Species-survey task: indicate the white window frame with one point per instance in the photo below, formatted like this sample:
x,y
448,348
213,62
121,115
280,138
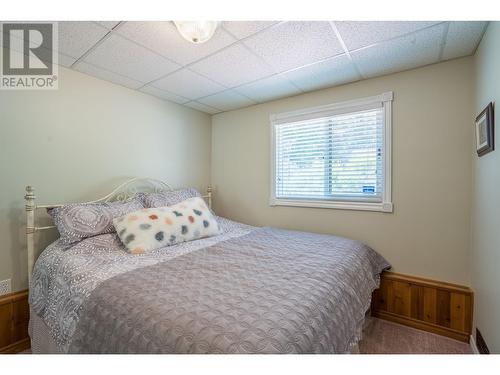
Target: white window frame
x,y
385,100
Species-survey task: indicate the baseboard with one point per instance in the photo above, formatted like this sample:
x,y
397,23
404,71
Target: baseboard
x,y
16,347
424,326
430,305
473,345
14,319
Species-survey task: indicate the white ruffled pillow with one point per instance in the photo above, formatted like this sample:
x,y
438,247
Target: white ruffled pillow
x,y
151,228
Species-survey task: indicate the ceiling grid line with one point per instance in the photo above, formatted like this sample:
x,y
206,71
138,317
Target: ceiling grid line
x,y
227,88
116,33
331,57
236,42
486,24
402,36
89,51
443,43
278,74
261,59
336,54
115,30
346,50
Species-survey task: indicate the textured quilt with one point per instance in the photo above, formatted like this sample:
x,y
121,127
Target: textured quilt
x,y
268,291
64,277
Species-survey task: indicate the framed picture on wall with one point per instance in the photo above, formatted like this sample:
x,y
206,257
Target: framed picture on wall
x,y
485,137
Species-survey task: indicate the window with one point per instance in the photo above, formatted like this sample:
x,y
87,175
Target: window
x,y
335,156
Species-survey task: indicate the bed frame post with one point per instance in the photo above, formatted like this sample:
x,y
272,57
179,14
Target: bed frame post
x,y
209,196
30,227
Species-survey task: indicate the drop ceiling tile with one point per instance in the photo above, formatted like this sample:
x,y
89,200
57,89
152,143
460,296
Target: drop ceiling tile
x,y
361,34
163,38
294,44
108,24
106,75
226,100
233,66
128,59
164,94
404,53
203,108
463,38
76,38
270,88
243,29
331,72
188,84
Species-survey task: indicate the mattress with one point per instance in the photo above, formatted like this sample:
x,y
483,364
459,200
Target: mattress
x,y
247,290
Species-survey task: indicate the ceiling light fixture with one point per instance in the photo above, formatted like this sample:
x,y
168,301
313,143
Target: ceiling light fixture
x,y
196,31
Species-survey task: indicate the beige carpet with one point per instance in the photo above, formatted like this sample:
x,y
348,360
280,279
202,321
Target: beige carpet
x,y
383,337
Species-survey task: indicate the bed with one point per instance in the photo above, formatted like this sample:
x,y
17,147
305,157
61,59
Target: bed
x,y
245,290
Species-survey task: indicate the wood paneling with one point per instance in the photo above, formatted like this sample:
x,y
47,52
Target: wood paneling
x,y
443,308
416,295
428,305
434,306
14,318
5,324
401,298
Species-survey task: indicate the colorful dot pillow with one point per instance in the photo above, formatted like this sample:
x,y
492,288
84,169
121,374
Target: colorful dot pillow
x,y
152,228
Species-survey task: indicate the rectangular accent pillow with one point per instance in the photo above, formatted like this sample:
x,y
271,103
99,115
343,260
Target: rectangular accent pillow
x,y
152,228
168,198
78,221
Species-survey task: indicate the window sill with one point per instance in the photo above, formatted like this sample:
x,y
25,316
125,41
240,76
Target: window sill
x,y
358,206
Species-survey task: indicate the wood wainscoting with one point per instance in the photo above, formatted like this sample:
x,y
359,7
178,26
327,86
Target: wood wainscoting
x,y
14,318
433,306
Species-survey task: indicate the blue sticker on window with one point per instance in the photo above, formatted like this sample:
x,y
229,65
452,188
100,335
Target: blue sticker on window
x,y
368,189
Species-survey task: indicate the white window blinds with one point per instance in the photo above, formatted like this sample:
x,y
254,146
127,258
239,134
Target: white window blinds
x,y
332,156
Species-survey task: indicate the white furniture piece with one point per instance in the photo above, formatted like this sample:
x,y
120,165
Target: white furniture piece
x,y
120,193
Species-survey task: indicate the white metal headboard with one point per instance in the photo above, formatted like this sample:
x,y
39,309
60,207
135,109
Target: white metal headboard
x,y
121,193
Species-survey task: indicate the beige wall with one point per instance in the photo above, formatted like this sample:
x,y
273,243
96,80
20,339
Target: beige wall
x,y
429,232
60,142
486,198
78,142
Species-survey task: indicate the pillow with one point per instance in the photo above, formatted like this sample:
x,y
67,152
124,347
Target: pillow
x,y
152,228
168,198
78,221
